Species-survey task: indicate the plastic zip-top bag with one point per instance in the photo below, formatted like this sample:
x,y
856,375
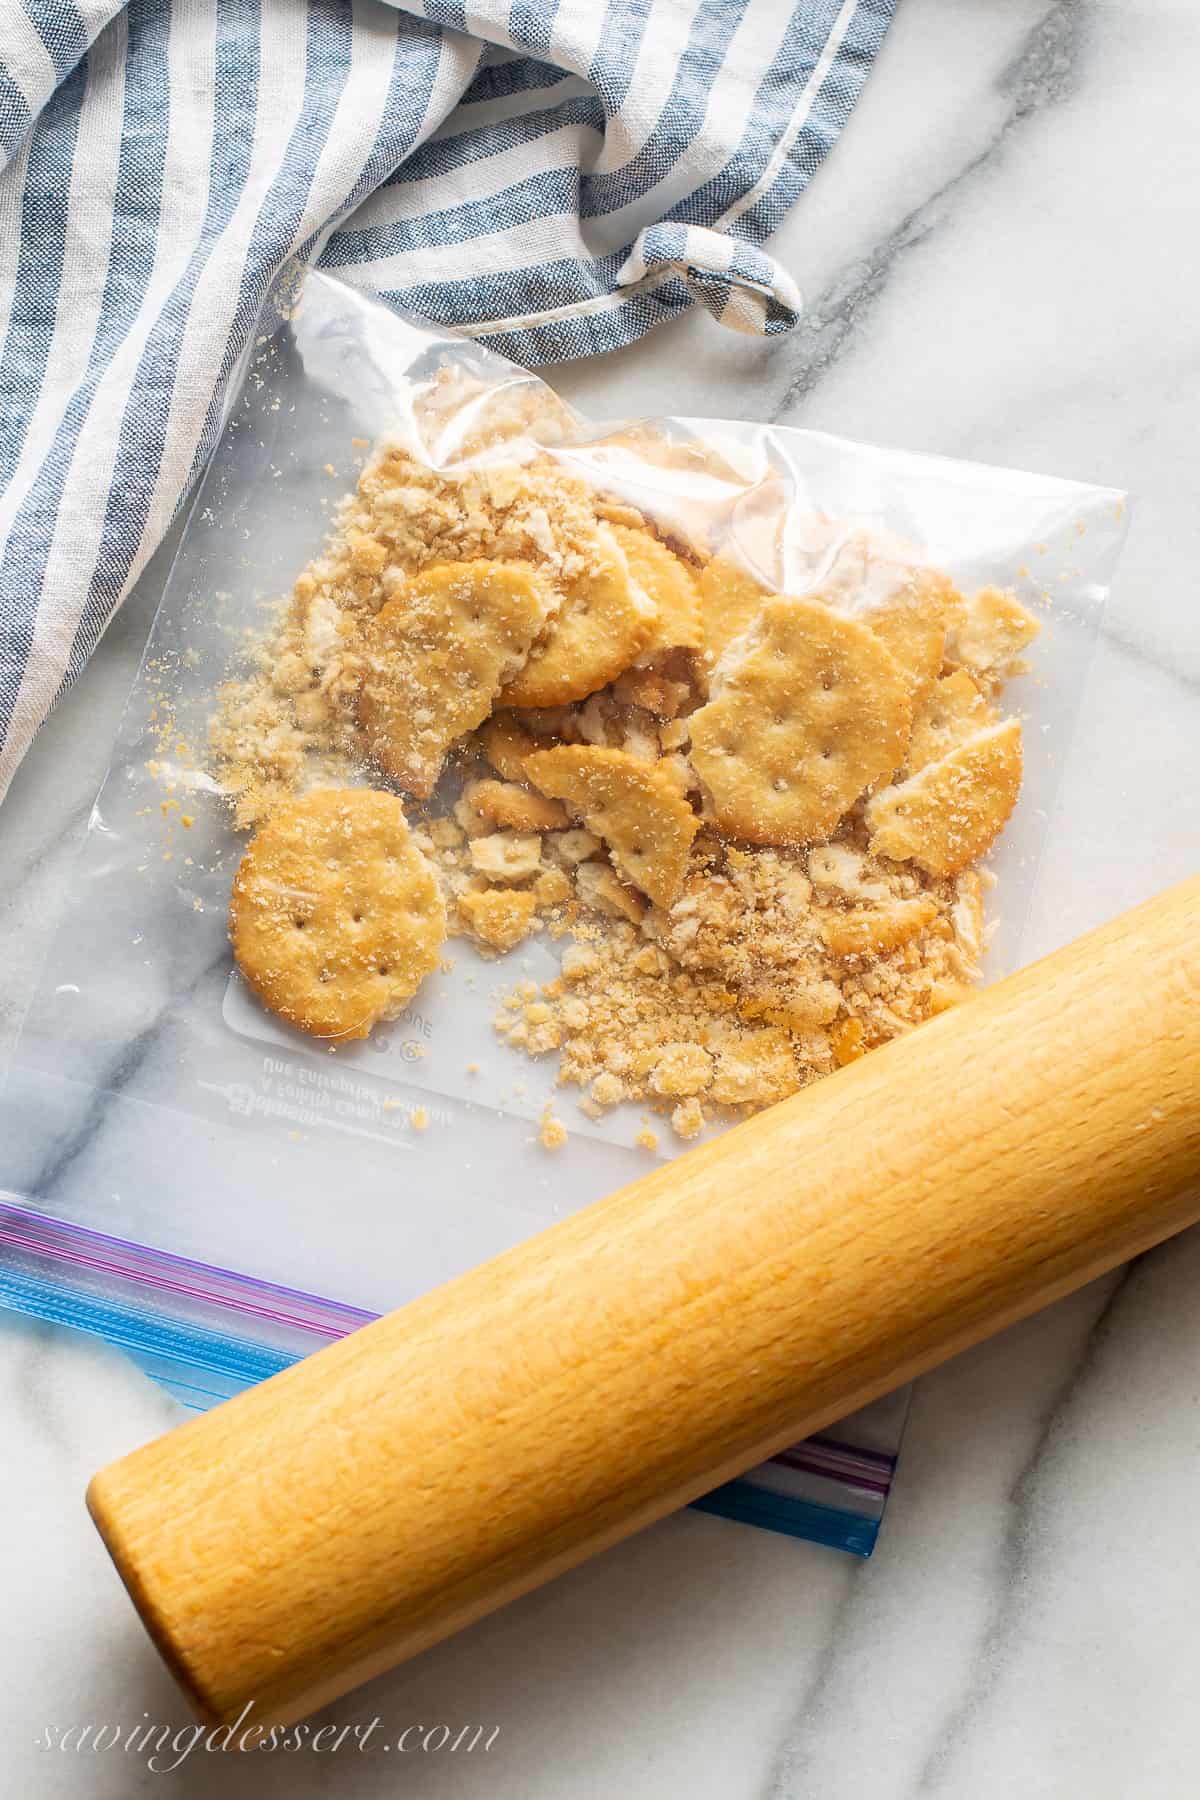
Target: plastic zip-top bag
x,y
727,752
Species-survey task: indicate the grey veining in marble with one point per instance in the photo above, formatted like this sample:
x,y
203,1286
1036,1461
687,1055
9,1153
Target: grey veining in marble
x,y
1001,263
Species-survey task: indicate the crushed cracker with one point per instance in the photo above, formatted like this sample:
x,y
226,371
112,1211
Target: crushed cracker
x,y
782,879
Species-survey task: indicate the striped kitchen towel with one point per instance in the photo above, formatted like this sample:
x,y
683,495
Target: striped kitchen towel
x,y
555,178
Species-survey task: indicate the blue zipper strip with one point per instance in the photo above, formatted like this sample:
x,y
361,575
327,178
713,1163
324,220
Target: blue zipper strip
x,y
173,1355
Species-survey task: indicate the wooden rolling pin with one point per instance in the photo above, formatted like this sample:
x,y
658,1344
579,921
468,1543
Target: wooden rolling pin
x,y
414,1476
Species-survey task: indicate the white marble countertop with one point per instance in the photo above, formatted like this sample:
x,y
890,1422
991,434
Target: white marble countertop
x,y
996,269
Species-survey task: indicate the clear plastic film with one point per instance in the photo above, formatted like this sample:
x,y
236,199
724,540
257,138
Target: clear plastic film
x,y
190,1176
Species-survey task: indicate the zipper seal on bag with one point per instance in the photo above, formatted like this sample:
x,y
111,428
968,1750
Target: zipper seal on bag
x,y
823,1489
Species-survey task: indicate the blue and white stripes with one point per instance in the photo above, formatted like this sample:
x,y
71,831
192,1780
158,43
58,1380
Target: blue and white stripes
x,y
555,178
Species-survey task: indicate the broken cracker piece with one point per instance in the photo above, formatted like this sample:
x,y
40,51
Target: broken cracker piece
x,y
599,887
874,930
551,888
437,655
506,744
573,847
844,869
810,711
848,1040
687,1120
681,1070
912,622
603,624
952,810
639,813
552,1134
500,917
953,711
507,855
513,807
671,586
756,1069
653,691
730,597
992,631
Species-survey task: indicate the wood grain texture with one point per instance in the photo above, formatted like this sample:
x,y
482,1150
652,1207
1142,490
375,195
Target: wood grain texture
x,y
414,1476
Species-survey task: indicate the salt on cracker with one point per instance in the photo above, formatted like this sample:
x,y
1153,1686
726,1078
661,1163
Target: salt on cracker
x,y
639,812
515,808
991,634
730,597
335,916
671,586
953,711
436,657
811,710
952,810
913,622
603,624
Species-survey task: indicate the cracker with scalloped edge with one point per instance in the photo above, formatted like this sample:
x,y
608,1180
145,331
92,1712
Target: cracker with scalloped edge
x,y
437,655
953,711
730,597
603,624
639,812
811,710
913,622
951,811
671,586
335,914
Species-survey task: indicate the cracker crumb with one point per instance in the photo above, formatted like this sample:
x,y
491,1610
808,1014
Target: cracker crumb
x,y
507,855
553,1133
681,1069
687,1120
499,917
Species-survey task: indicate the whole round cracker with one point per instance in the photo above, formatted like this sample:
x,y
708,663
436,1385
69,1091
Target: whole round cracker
x,y
671,586
603,624
952,810
632,805
811,710
436,656
335,915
